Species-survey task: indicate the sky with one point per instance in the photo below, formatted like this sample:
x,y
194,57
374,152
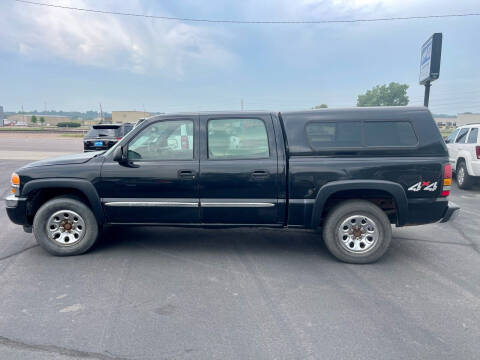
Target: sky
x,y
57,59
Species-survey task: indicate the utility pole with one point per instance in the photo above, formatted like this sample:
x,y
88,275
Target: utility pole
x,y
23,114
101,114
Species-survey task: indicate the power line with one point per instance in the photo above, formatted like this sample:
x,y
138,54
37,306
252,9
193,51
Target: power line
x,y
231,21
449,99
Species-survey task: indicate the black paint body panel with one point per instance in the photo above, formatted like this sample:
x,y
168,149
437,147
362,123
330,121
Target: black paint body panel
x,y
231,181
299,181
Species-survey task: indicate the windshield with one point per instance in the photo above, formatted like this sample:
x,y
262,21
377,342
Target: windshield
x,y
95,132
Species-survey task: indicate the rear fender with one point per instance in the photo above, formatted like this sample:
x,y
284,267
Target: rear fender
x,y
329,189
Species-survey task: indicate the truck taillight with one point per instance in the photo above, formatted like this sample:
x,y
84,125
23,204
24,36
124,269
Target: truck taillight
x,y
477,149
447,180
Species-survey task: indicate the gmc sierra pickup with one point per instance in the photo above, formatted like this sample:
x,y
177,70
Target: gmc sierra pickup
x,y
349,172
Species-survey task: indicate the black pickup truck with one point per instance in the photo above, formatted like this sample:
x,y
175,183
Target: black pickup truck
x,y
350,173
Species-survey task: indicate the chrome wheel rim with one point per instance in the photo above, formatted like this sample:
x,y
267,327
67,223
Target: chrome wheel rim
x,y
66,227
358,234
461,175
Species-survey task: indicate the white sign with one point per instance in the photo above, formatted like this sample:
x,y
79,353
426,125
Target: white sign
x,y
426,60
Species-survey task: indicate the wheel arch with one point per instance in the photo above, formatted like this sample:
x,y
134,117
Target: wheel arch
x,y
77,186
329,190
465,157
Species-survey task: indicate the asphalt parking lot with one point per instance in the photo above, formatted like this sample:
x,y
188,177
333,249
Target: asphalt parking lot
x,y
166,293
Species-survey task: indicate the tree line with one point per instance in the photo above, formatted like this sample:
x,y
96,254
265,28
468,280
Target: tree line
x,y
76,115
393,94
34,120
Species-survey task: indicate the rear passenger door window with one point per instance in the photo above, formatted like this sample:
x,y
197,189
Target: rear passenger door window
x,y
334,134
237,139
389,133
473,136
462,136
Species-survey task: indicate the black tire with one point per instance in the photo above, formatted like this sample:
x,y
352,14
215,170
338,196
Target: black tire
x,y
340,215
464,181
89,230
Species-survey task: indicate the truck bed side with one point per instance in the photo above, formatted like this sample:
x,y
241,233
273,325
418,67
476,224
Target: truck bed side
x,y
404,181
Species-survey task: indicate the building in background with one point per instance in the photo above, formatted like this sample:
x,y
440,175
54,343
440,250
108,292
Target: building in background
x,y
128,116
51,120
91,122
445,122
467,118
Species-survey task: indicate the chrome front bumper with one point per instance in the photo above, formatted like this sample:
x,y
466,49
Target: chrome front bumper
x,y
17,209
12,201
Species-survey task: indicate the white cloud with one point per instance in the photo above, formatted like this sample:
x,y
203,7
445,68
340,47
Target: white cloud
x,y
350,9
109,41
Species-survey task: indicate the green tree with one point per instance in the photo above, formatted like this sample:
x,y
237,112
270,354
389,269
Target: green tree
x,y
321,106
42,120
33,119
395,94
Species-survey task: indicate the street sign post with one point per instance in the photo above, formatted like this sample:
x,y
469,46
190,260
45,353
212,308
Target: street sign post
x,y
430,63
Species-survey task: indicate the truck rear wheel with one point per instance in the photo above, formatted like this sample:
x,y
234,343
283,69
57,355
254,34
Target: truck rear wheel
x,y
65,226
357,232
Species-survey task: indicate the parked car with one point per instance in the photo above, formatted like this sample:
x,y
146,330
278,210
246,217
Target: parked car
x,y
464,152
104,136
349,172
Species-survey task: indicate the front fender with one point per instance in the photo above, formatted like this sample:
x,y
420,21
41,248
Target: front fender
x,y
83,186
329,189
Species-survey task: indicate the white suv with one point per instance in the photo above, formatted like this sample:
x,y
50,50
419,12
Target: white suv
x,y
464,151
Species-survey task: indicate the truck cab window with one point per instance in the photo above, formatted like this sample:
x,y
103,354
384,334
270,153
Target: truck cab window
x,y
164,140
237,139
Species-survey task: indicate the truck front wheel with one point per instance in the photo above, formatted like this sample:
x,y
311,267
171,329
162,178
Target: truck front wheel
x,y
65,226
357,232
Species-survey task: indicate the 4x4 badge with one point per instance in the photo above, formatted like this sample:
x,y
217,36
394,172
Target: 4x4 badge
x,y
423,184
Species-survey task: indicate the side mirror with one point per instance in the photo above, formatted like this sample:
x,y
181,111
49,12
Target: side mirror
x,y
118,155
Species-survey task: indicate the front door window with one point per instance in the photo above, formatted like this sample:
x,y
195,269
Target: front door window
x,y
164,140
